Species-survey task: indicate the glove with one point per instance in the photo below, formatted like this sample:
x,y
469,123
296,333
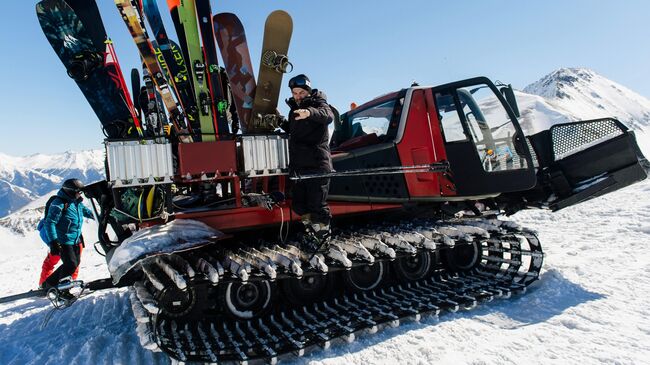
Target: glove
x,y
55,248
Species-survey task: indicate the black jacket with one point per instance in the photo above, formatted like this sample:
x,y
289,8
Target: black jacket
x,y
309,138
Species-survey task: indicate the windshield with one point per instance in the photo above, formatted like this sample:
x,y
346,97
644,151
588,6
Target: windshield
x,y
373,120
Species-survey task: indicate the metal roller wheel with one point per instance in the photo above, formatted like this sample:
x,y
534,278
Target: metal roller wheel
x,y
413,268
462,257
175,302
248,300
308,289
365,277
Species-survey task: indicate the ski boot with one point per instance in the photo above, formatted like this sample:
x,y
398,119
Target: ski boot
x,y
60,295
316,238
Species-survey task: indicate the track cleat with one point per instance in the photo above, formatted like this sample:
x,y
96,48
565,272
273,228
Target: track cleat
x,y
338,254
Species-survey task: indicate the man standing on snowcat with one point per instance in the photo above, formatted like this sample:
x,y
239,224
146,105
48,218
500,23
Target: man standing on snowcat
x,y
309,153
62,224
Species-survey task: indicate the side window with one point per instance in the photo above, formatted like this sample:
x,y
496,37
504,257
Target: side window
x,y
452,126
373,120
490,128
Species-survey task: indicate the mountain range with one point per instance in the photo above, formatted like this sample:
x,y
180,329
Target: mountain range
x,y
565,95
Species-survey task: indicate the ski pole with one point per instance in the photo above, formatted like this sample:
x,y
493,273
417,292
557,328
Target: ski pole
x,y
434,167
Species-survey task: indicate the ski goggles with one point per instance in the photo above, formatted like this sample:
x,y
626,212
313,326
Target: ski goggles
x,y
299,82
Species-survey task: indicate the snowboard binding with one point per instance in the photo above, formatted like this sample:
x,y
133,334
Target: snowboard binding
x,y
278,62
83,64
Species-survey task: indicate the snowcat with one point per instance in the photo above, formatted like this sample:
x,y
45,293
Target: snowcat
x,y
204,232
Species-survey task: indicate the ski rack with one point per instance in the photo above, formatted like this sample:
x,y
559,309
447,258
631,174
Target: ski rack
x,y
139,162
264,155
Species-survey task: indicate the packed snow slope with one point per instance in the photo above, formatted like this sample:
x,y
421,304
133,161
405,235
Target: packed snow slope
x,y
590,305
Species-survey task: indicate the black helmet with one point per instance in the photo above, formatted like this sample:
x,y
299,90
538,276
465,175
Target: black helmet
x,y
301,81
72,186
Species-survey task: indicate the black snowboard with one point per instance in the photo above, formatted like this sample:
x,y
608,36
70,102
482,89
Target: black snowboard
x,y
82,52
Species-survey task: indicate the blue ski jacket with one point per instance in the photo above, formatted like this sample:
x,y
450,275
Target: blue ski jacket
x,y
66,228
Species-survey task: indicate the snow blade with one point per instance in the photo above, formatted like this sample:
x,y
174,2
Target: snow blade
x,y
582,160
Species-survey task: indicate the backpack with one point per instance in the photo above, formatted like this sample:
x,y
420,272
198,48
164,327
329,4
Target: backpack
x,y
41,224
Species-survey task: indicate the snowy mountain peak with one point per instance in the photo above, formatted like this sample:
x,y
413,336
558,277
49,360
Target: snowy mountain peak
x,y
585,94
22,179
558,84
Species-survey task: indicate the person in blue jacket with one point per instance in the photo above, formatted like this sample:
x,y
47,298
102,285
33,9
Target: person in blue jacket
x,y
63,223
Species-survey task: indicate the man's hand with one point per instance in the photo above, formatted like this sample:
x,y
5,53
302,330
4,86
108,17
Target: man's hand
x,y
302,114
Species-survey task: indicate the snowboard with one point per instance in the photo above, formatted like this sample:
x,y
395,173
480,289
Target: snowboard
x,y
88,13
136,28
273,64
231,38
171,60
217,91
187,23
83,52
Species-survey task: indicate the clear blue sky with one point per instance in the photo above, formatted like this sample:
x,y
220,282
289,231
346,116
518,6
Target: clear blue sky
x,y
353,50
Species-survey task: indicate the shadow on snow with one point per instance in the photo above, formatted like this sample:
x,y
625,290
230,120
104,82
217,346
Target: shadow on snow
x,y
550,296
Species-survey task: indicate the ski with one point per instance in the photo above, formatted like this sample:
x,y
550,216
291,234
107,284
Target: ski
x,y
83,52
187,24
134,23
274,63
153,112
135,90
115,72
217,91
35,293
237,61
171,59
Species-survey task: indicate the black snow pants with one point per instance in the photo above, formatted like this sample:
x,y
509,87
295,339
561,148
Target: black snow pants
x,y
70,257
310,197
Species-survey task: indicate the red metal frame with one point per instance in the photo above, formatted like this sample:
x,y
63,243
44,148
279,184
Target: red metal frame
x,y
422,144
228,220
207,158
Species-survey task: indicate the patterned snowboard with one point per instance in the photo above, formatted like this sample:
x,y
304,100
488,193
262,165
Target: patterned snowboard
x,y
73,42
237,61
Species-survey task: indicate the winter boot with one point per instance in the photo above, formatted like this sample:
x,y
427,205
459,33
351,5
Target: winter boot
x,y
316,238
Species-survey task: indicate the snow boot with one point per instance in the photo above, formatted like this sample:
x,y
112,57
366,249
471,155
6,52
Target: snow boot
x,y
316,238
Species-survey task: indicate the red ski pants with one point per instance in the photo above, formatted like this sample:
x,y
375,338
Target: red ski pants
x,y
51,261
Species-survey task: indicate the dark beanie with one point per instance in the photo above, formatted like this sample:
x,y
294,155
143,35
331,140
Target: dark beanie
x,y
301,81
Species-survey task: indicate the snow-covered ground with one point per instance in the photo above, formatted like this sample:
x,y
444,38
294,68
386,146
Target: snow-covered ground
x,y
590,305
